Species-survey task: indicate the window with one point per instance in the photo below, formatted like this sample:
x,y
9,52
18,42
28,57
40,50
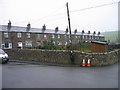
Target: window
x,y
20,44
80,37
83,37
28,35
89,37
86,37
65,36
53,36
54,42
92,37
66,43
28,43
45,36
58,42
7,45
98,37
19,35
58,36
38,36
5,35
75,36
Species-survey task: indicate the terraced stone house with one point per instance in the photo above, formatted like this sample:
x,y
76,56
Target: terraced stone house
x,y
27,37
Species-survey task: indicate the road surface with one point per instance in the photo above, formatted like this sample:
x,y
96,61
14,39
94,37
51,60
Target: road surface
x,y
15,75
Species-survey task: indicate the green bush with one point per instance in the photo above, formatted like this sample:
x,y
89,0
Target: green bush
x,y
84,47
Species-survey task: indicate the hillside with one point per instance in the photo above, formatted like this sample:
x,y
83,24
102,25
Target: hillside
x,y
111,35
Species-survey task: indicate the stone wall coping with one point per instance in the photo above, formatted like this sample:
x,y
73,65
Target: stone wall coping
x,y
116,50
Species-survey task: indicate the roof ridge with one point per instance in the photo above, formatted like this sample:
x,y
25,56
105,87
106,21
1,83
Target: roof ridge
x,y
49,30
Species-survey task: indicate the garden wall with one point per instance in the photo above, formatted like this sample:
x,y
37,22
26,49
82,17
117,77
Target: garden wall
x,y
63,57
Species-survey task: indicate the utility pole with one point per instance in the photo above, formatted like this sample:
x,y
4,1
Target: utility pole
x,y
71,47
118,21
69,23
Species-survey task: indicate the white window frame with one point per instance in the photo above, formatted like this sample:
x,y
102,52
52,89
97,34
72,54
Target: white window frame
x,y
65,36
76,36
89,37
98,37
53,36
45,36
83,37
20,44
92,37
9,45
58,43
28,43
5,34
66,43
54,42
58,35
19,35
28,35
38,36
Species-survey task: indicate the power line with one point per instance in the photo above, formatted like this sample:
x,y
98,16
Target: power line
x,y
94,7
55,21
55,13
51,14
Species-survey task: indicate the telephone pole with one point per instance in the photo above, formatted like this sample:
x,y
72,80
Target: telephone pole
x,y
118,21
71,47
69,23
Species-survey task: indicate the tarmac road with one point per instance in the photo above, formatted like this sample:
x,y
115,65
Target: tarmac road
x,y
17,75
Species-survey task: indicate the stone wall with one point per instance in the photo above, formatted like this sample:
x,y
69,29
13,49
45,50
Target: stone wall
x,y
59,57
63,57
98,59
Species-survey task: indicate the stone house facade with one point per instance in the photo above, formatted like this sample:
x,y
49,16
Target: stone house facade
x,y
22,37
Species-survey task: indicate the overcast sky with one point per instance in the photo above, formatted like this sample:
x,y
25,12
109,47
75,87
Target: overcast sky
x,y
52,13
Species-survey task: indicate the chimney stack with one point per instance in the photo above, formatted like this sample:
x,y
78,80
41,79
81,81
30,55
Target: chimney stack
x,y
83,31
66,30
94,32
75,31
88,32
9,25
28,27
44,27
98,33
56,29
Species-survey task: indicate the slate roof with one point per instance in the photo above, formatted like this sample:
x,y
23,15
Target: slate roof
x,y
39,30
99,42
114,43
